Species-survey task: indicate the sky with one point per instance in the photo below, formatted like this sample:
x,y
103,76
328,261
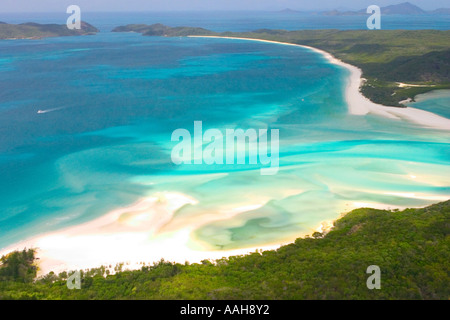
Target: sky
x,y
196,5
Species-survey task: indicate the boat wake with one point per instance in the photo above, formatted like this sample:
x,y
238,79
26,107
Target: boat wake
x,y
50,110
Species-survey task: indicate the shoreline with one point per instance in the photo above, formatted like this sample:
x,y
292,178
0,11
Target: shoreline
x,y
357,103
131,235
134,236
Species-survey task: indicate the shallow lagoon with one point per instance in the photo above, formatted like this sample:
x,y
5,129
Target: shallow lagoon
x,y
120,96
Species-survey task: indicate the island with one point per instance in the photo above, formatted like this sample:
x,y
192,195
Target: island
x,y
31,30
160,30
394,66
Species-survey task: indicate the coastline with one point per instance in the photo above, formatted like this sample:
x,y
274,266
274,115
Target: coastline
x,y
130,235
358,104
123,235
137,235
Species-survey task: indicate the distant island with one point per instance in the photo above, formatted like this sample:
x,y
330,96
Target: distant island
x,y
395,67
404,8
31,30
160,30
289,11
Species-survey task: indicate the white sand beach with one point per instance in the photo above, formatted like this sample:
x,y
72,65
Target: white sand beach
x,y
360,105
141,234
130,235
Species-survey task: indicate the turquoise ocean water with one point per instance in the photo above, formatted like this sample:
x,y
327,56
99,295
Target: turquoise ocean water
x,y
111,102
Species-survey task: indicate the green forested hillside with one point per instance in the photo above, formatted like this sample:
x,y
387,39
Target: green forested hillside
x,y
386,57
411,248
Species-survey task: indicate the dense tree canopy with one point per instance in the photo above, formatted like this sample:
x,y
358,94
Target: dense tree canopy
x,y
411,247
